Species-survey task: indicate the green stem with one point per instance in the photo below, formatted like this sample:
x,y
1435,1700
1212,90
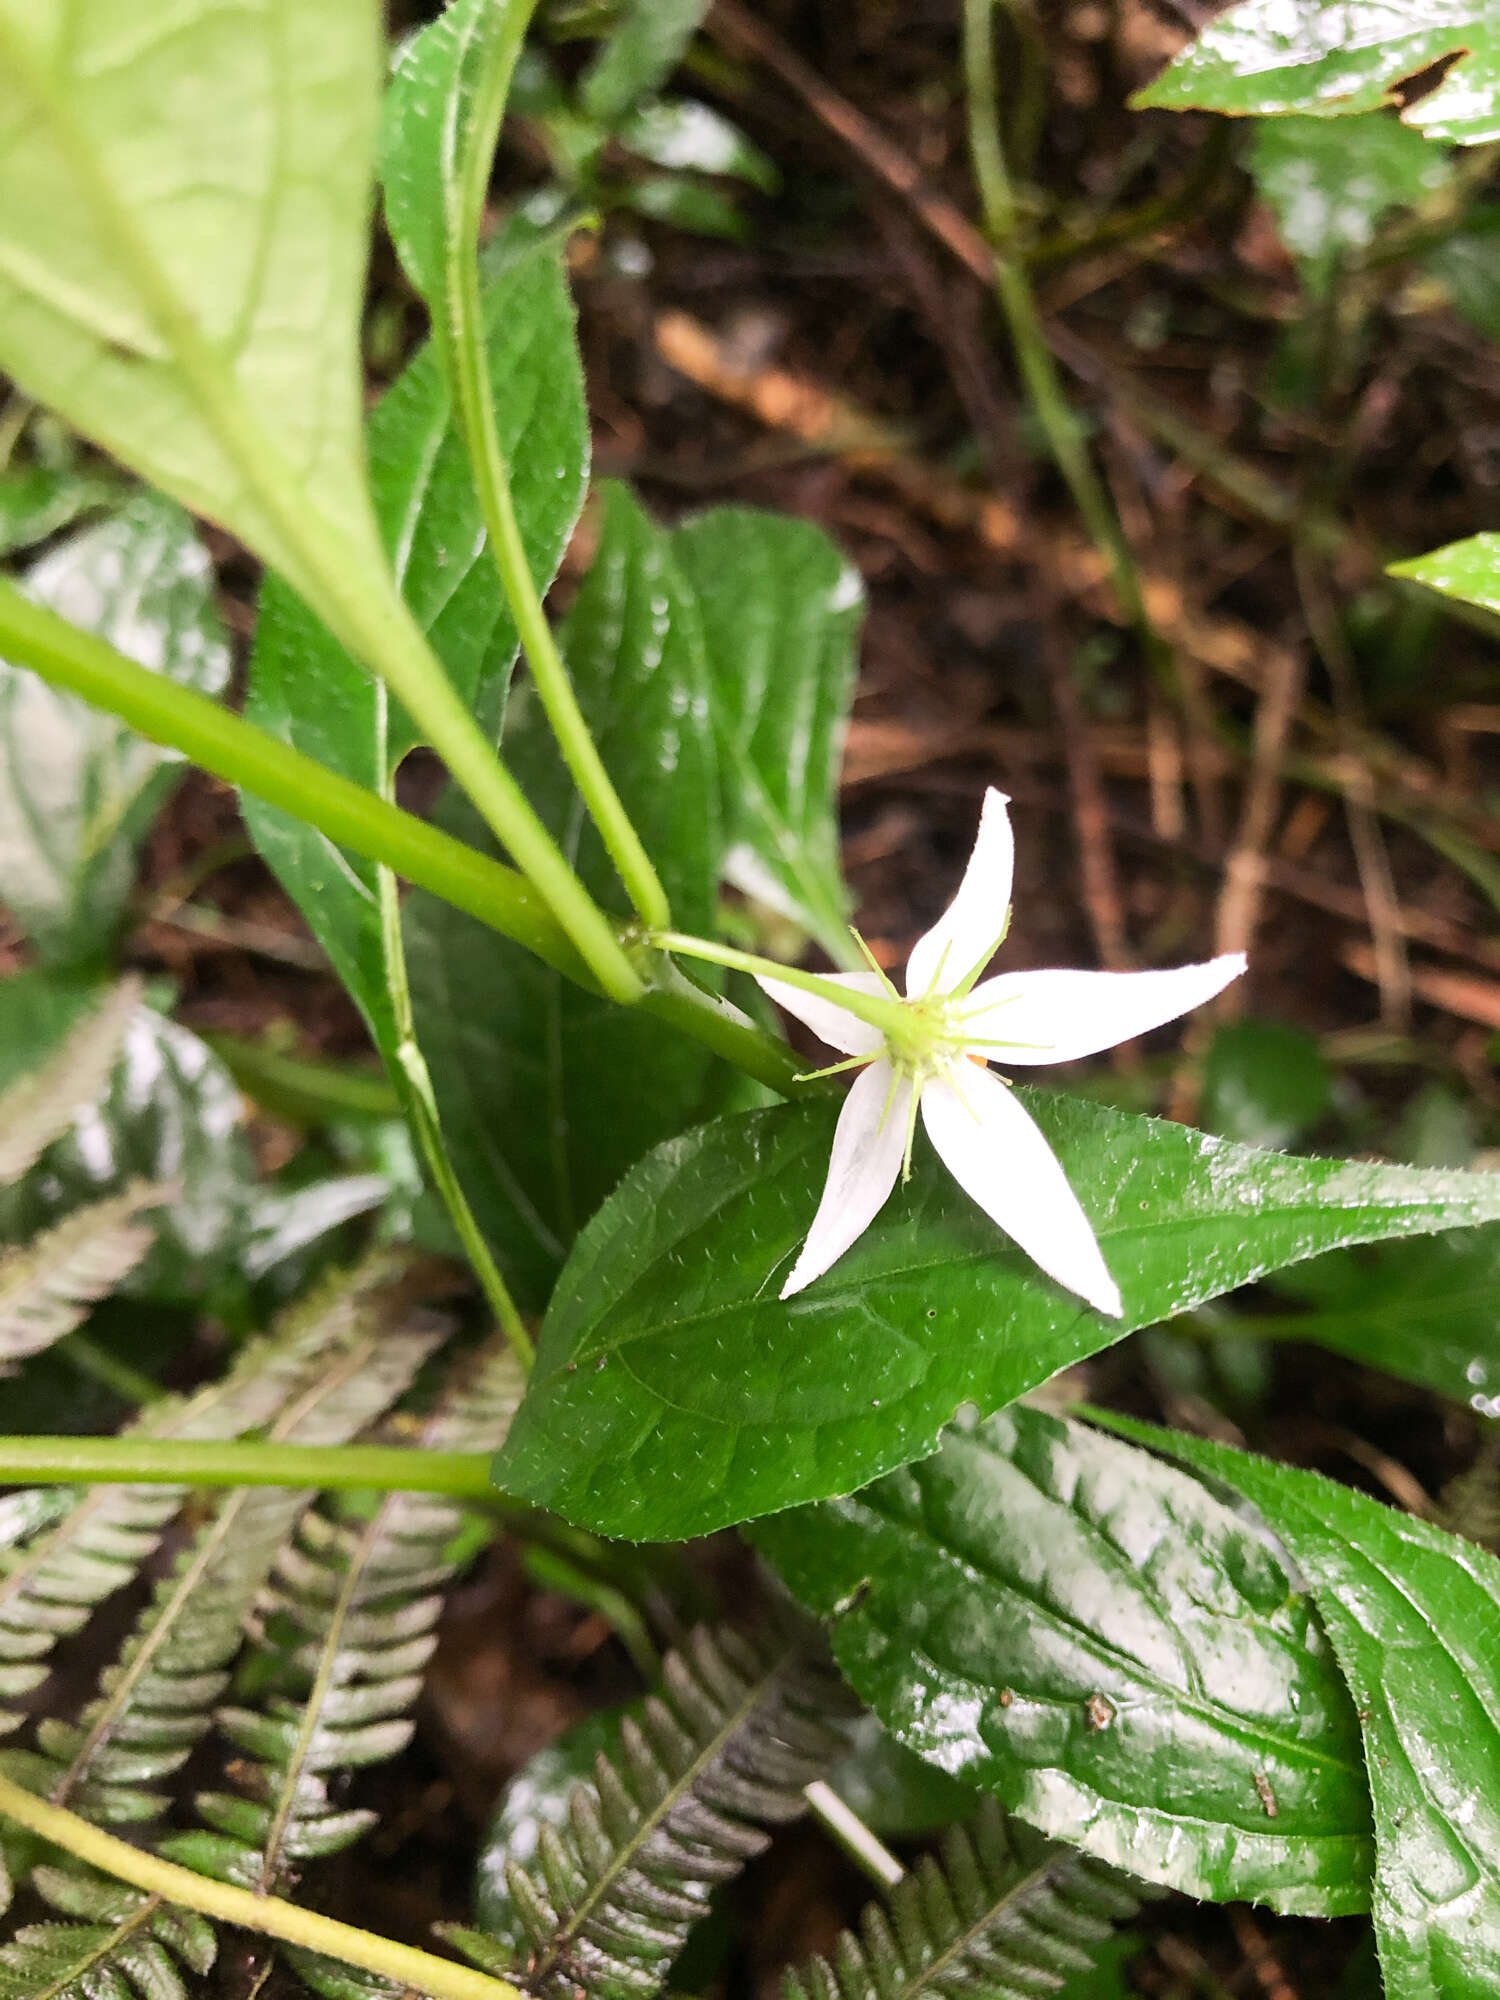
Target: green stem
x,y
464,346
415,1084
844,1825
1039,374
341,1468
269,1916
891,1016
244,755
97,1364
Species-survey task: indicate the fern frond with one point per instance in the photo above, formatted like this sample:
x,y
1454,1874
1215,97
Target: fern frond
x,y
1005,1915
48,1285
366,1600
157,1700
122,1943
41,1106
740,1726
75,1549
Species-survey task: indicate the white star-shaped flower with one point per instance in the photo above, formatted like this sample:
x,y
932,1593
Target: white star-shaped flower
x,y
933,1050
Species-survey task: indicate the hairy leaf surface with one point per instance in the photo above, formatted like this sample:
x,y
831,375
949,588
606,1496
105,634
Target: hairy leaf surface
x,y
674,1392
1112,1652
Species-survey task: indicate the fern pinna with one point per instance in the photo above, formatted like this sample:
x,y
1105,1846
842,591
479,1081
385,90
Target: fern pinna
x,y
1004,1914
721,1753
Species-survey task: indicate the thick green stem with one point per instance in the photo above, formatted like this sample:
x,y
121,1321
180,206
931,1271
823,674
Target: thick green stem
x,y
244,755
464,347
1039,374
83,1461
269,1916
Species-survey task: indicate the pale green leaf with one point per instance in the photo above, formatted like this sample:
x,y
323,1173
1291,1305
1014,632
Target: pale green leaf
x,y
1331,182
184,206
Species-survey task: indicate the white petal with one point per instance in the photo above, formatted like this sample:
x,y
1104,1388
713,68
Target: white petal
x,y
868,1148
1045,1017
999,1157
829,1021
969,929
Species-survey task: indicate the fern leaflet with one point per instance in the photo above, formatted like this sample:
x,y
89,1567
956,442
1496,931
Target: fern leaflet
x,y
48,1285
1005,1915
157,1701
76,1549
121,1943
40,1107
740,1726
364,1601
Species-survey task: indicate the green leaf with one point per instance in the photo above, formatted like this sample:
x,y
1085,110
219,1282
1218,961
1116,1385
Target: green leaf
x,y
427,128
308,691
1412,1612
892,1790
79,787
688,137
1330,182
1113,1653
1468,569
548,1093
639,56
1428,1311
185,193
1464,264
1264,1084
781,614
674,1393
1333,56
37,501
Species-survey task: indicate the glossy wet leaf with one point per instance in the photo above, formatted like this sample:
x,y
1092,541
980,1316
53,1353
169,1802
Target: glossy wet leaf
x,y
78,788
184,207
894,1792
307,690
1116,1655
547,1093
675,1393
1330,182
1333,56
781,613
1412,1613
1264,1083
